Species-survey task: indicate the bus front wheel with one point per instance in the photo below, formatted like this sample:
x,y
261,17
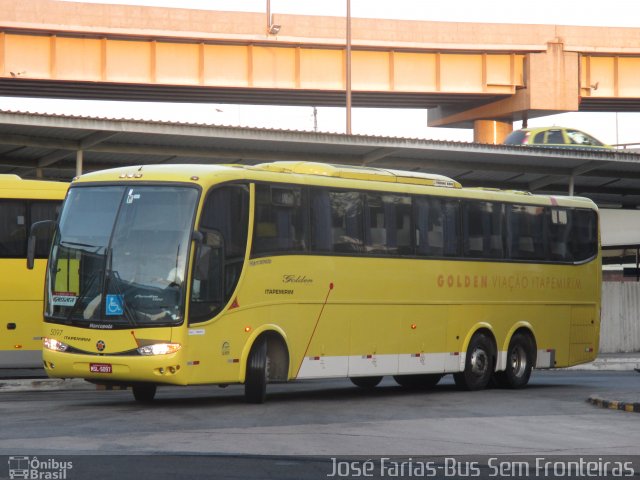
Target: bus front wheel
x,y
255,385
366,382
478,365
520,360
144,393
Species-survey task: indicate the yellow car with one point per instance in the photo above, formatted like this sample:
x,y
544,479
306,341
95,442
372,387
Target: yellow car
x,y
554,137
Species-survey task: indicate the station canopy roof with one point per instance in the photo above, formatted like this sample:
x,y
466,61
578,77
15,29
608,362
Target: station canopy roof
x,y
46,145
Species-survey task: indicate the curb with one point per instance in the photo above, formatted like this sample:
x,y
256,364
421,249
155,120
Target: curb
x,y
610,364
615,404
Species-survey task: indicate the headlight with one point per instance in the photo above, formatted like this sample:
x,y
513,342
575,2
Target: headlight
x,y
55,345
159,349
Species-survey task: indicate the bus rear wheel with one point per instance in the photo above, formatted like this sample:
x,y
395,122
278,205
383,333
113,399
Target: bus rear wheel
x,y
425,381
255,385
144,393
366,382
478,365
520,360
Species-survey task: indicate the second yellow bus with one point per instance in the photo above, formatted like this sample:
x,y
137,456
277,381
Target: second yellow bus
x,y
23,202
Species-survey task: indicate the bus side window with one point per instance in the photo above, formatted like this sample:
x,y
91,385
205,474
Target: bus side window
x,y
429,226
526,232
13,229
224,223
451,230
44,211
279,220
346,221
437,226
336,221
559,225
387,223
483,229
584,234
321,225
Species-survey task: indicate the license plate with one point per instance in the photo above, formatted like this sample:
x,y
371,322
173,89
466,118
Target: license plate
x,y
100,368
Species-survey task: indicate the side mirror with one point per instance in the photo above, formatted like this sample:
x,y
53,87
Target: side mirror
x,y
198,237
33,240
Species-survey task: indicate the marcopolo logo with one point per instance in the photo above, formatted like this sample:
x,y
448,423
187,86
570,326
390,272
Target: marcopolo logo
x,y
38,469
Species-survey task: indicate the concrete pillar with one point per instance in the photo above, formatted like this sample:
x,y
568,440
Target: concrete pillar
x,y
572,185
491,131
79,158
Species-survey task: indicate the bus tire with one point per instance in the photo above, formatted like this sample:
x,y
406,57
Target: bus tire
x,y
428,380
479,364
255,384
520,360
366,383
144,393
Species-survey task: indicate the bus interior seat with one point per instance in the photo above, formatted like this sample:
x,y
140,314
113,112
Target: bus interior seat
x,y
525,245
435,239
559,251
476,245
378,236
403,237
336,233
496,244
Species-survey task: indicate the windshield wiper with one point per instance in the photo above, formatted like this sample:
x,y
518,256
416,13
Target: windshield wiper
x,y
80,298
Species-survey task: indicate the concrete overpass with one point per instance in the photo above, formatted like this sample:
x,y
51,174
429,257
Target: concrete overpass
x,y
483,76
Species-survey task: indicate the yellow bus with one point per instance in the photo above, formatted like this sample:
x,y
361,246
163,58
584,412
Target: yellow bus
x,y
23,202
210,274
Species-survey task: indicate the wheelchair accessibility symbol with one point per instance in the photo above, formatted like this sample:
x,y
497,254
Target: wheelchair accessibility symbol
x,y
115,305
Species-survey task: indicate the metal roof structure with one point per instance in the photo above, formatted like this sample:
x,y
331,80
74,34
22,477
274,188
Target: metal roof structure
x,y
47,145
58,146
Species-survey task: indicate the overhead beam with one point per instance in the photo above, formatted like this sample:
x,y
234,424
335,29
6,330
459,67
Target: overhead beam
x,y
87,142
39,142
53,157
378,154
575,172
95,138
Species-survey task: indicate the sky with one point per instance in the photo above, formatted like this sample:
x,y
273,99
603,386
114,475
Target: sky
x,y
610,128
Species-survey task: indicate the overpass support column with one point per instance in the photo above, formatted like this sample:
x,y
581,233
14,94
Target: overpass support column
x,y
491,131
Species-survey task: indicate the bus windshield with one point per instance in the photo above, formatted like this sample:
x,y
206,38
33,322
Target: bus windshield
x,y
119,256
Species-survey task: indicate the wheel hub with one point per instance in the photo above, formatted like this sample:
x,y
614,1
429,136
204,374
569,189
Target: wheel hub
x,y
479,362
518,361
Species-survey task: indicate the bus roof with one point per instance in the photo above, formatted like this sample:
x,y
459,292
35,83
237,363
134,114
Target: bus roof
x,y
12,186
314,173
360,173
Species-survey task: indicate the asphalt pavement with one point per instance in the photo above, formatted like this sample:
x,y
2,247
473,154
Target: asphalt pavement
x,y
17,380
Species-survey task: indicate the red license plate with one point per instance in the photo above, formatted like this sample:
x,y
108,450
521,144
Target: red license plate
x,y
100,368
